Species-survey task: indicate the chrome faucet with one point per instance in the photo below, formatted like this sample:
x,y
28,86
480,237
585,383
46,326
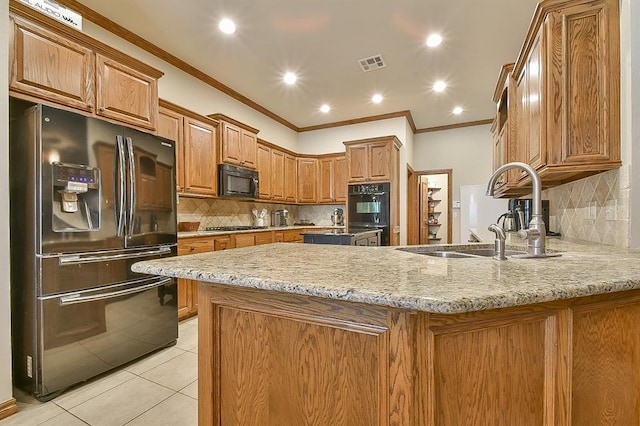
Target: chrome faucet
x,y
499,243
536,233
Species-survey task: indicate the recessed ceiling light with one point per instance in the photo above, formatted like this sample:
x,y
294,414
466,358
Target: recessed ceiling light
x,y
325,108
457,110
227,26
377,98
434,40
290,78
439,86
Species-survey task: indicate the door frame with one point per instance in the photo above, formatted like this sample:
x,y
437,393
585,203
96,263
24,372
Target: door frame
x,y
413,202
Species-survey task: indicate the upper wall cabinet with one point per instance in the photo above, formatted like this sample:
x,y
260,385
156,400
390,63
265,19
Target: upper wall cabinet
x,y
372,160
238,142
332,179
564,118
195,138
52,62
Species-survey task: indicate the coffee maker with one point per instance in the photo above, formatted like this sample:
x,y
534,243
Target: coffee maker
x,y
279,217
521,209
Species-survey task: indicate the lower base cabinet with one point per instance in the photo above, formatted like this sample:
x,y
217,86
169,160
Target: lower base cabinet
x,y
270,358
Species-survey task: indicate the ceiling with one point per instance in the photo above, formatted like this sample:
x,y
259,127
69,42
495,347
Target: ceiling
x,y
322,41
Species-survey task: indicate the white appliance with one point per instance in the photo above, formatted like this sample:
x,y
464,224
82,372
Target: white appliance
x,y
477,212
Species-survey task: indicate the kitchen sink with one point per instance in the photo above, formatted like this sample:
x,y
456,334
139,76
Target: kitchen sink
x,y
461,253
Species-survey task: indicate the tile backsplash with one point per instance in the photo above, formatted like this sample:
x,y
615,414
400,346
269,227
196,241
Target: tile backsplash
x,y
223,212
594,209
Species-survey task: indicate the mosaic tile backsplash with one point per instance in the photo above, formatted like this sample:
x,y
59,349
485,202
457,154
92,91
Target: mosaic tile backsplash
x,y
219,212
594,209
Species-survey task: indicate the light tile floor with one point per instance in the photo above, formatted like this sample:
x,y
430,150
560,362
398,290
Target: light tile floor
x,y
161,389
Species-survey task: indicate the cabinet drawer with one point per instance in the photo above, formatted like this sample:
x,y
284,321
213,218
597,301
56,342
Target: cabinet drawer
x,y
194,245
222,243
292,237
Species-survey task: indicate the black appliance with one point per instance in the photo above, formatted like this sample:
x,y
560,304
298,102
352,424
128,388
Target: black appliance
x,y
525,205
88,199
369,207
237,182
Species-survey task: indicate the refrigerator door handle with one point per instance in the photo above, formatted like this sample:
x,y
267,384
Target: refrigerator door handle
x,y
132,185
119,185
78,298
70,260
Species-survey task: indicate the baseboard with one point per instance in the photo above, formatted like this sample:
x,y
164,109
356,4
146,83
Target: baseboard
x,y
8,408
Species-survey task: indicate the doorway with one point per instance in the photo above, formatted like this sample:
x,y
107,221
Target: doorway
x,y
430,207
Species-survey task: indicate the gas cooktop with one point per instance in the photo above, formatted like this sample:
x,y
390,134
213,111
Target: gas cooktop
x,y
233,228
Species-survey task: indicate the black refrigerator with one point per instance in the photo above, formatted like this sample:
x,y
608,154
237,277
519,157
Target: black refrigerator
x,y
88,199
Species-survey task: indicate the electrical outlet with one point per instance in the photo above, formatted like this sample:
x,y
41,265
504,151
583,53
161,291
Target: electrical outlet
x,y
611,210
593,212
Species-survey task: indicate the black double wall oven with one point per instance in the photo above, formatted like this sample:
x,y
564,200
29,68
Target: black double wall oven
x,y
369,207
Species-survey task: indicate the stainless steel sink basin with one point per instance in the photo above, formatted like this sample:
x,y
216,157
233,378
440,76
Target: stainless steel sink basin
x,y
459,253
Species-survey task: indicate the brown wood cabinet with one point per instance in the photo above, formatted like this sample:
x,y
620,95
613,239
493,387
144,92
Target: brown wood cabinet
x,y
266,177
290,178
196,144
563,112
269,358
307,180
53,62
372,160
238,142
332,179
188,289
277,174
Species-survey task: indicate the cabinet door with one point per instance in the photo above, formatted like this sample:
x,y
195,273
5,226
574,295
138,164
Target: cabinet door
x,y
184,298
248,150
587,34
380,161
290,178
125,94
50,67
536,151
358,159
277,175
199,157
264,238
340,179
171,126
231,140
307,180
325,179
244,240
264,171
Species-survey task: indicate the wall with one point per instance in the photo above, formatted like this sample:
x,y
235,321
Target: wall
x,y
5,311
467,150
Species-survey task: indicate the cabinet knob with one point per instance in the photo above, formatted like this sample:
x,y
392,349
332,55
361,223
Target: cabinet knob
x,y
192,248
102,109
90,105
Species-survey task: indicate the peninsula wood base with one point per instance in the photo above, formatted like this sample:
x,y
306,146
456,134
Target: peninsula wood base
x,y
268,358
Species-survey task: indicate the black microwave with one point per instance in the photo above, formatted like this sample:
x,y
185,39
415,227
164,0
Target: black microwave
x,y
237,182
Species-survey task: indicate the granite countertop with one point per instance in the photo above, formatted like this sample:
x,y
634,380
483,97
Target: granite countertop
x,y
204,233
390,277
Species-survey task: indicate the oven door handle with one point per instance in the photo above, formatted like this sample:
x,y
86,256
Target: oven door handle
x,y
78,298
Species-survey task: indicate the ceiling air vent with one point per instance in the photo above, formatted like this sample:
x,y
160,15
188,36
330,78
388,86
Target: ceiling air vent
x,y
372,63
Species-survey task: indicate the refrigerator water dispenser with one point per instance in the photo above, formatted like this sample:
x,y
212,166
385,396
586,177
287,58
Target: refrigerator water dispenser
x,y
76,198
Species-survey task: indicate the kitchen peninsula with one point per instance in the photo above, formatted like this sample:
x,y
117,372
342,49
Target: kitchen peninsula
x,y
343,335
